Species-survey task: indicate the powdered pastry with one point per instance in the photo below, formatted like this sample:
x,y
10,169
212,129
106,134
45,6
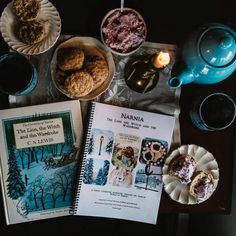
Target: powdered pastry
x,y
202,186
182,167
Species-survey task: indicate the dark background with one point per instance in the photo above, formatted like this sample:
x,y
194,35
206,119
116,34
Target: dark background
x,y
167,22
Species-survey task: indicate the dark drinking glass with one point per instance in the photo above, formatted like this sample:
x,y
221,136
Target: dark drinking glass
x,y
18,76
215,112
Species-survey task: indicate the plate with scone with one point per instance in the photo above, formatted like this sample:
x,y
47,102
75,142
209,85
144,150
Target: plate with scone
x,y
190,174
30,27
82,68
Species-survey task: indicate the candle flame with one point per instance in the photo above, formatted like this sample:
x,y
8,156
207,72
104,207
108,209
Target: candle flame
x,y
161,59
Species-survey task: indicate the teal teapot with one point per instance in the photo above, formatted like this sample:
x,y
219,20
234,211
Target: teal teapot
x,y
209,56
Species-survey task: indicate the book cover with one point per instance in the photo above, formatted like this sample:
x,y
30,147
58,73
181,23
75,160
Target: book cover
x,y
121,175
39,147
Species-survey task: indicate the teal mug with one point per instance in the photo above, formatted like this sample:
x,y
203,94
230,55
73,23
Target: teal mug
x,y
215,112
18,76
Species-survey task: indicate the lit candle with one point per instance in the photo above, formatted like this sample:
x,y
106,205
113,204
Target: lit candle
x,y
161,59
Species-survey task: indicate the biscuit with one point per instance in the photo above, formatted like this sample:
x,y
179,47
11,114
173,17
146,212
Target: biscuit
x,y
78,84
70,58
31,32
202,186
97,67
26,10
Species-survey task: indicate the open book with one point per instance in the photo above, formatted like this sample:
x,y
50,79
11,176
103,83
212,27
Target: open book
x,y
121,171
39,147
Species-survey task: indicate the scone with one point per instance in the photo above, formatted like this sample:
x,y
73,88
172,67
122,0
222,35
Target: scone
x,y
97,67
202,186
70,58
183,167
78,84
26,10
31,32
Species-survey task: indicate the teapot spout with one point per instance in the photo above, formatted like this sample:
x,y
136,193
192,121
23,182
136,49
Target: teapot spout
x,y
184,78
175,82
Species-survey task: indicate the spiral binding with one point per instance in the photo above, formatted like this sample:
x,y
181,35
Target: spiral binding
x,y
79,181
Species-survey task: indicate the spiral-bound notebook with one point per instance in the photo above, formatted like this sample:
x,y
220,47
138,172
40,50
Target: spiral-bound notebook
x,y
39,149
121,173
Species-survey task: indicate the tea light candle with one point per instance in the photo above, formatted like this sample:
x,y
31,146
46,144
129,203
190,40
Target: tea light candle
x,y
161,59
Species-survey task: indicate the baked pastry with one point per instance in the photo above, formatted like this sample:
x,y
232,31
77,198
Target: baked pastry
x,y
183,167
70,58
78,84
26,10
97,67
202,186
31,32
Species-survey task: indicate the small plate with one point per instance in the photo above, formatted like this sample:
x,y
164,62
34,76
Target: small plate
x,y
90,46
205,162
47,13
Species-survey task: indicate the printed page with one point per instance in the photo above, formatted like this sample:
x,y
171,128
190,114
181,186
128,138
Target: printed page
x,y
122,166
39,148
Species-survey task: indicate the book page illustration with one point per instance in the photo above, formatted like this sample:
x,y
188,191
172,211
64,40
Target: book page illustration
x,y
124,158
138,143
126,150
42,157
153,152
100,143
96,171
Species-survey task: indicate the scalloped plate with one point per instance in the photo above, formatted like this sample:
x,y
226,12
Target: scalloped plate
x,y
90,46
205,161
48,13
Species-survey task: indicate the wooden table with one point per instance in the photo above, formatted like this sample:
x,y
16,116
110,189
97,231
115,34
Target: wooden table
x,y
164,25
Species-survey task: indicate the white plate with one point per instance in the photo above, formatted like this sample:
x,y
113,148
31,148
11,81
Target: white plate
x,y
48,13
205,162
90,46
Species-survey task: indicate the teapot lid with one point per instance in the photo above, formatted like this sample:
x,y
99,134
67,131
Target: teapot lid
x,y
217,46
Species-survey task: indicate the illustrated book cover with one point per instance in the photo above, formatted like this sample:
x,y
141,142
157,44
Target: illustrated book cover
x,y
39,149
121,173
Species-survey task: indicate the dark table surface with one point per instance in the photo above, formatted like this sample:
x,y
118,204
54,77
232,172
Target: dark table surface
x,y
166,23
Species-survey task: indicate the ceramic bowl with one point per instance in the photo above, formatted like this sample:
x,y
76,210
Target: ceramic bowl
x,y
90,46
123,35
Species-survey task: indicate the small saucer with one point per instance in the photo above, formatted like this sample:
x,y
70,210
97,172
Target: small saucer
x,y
47,13
205,162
